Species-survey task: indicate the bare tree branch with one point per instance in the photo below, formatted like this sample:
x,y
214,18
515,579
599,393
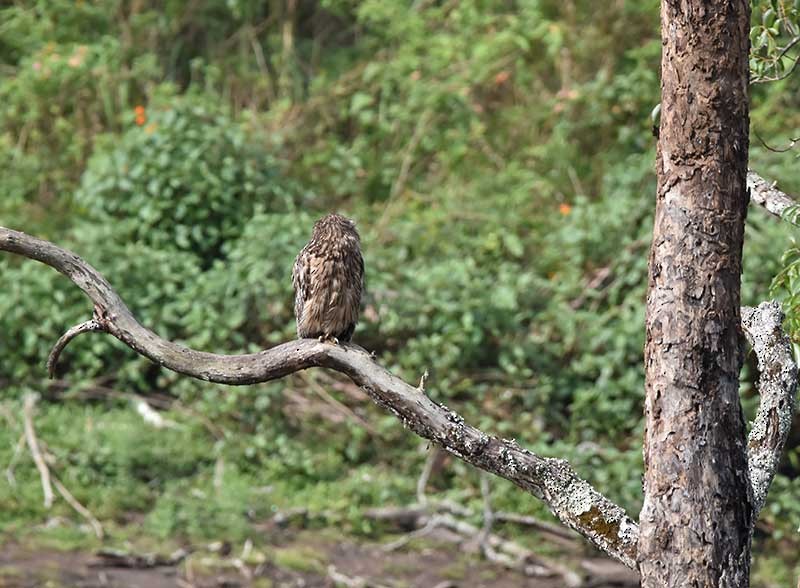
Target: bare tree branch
x,y
79,508
569,497
777,384
767,195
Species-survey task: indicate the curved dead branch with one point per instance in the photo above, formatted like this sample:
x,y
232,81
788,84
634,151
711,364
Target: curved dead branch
x,y
777,385
569,497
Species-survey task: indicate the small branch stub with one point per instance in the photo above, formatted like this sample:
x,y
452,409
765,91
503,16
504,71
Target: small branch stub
x,y
89,326
422,380
768,195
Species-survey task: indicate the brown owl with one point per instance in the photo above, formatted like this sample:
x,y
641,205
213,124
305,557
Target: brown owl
x,y
328,278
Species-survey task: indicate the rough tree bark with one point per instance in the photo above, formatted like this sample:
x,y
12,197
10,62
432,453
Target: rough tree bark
x,y
697,514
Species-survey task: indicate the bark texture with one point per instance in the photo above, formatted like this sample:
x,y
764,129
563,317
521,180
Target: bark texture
x,y
767,195
696,518
777,384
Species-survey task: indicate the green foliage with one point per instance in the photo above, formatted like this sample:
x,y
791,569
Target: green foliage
x,y
61,96
498,162
186,178
199,511
773,36
301,560
788,280
786,283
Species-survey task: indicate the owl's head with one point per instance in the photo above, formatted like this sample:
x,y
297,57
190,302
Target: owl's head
x,y
334,226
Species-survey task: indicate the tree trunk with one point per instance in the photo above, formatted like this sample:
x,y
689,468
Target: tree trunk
x,y
695,521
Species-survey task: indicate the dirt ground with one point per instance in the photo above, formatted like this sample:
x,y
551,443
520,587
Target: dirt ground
x,y
305,562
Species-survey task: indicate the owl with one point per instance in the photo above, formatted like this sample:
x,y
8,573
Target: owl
x,y
328,278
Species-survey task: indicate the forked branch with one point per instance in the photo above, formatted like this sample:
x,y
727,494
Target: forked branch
x,y
89,326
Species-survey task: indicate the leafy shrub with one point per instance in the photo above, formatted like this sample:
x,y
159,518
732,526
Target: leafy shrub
x,y
62,95
186,178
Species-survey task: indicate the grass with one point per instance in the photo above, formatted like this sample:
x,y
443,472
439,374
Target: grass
x,y
299,559
164,481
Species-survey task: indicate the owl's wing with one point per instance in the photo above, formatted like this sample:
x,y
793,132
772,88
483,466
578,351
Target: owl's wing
x,y
301,281
361,278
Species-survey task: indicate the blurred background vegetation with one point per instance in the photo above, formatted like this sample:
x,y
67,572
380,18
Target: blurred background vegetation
x,y
498,158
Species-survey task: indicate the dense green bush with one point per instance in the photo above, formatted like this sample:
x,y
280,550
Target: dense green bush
x,y
184,177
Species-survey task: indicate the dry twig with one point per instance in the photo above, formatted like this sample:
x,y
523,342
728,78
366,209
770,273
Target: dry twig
x,y
12,480
48,479
341,579
33,446
79,508
424,520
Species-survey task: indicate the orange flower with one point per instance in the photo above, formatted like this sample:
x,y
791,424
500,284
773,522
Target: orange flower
x,y
141,117
564,208
501,78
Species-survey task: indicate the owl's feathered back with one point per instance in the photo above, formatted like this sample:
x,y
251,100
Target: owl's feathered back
x,y
328,277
